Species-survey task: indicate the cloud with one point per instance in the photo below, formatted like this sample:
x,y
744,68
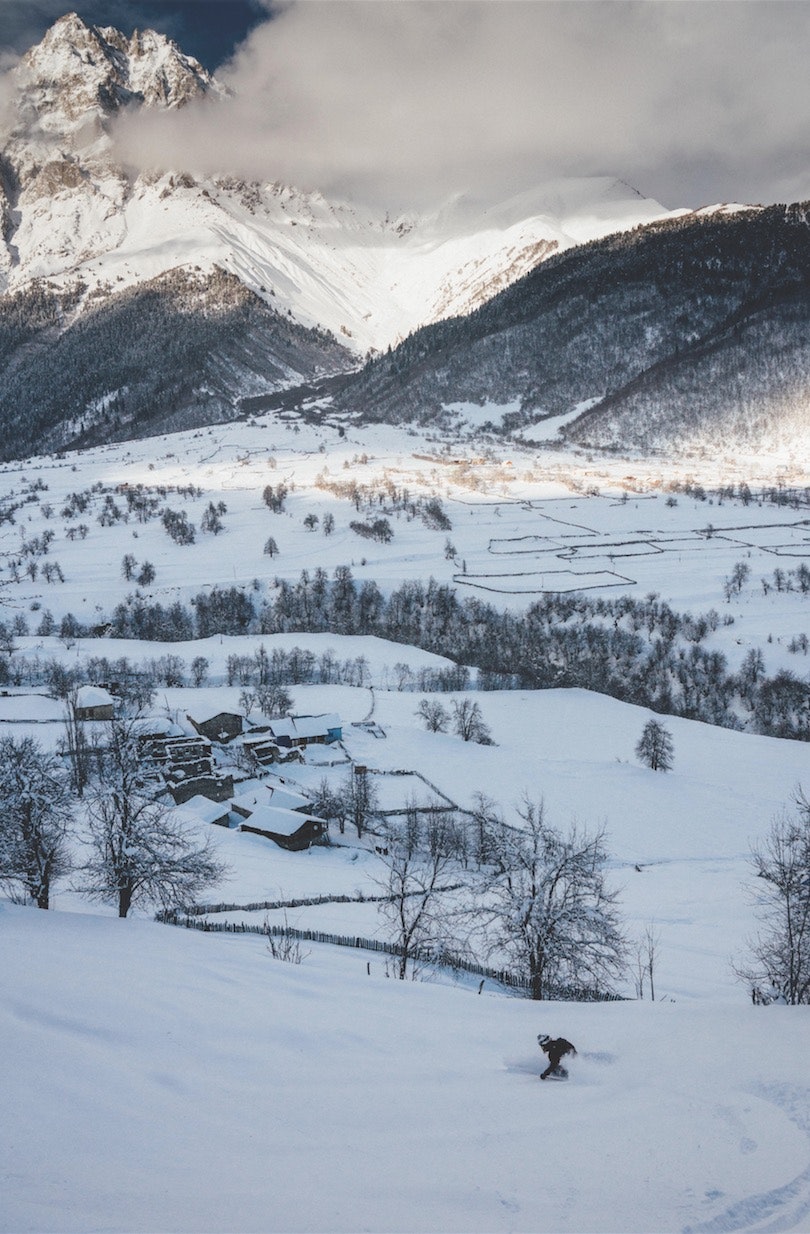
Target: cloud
x,y
404,102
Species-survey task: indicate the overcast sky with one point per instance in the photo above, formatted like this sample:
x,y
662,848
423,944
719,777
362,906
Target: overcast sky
x,y
405,101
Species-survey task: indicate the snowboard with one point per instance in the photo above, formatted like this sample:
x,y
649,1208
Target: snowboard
x,y
559,1073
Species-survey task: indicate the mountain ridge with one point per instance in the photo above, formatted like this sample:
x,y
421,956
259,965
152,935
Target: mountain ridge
x,y
72,210
669,334
577,299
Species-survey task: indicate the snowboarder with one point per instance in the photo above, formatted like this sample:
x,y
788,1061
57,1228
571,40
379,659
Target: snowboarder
x,y
556,1048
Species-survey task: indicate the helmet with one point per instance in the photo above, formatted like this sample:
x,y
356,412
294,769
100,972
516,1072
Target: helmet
x,y
543,1039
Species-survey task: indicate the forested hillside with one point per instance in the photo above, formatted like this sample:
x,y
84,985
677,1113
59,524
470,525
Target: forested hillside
x,y
175,352
683,329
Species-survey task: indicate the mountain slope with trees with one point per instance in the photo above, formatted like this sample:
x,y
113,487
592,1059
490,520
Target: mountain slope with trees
x,y
85,239
175,352
682,331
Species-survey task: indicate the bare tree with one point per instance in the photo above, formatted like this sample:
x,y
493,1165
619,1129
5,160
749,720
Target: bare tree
x,y
360,800
434,714
140,849
284,945
413,909
781,951
469,722
75,744
247,700
146,575
199,670
328,804
655,748
548,907
403,675
274,498
488,826
36,815
273,699
646,958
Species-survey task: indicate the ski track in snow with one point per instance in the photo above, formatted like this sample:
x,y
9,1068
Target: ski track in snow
x,y
783,1208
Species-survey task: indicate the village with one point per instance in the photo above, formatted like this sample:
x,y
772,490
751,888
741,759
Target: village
x,y
215,765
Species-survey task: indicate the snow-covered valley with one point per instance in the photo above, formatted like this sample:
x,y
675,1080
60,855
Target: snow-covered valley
x,y
444,683
158,1077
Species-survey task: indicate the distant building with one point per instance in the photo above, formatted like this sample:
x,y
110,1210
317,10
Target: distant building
x,y
203,810
288,828
266,750
212,786
94,703
157,729
216,725
269,793
186,763
299,731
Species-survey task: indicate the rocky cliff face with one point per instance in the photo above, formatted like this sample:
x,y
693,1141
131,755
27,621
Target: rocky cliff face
x,y
95,345
80,72
61,192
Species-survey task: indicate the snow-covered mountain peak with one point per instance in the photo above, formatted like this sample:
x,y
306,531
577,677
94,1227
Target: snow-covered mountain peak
x,y
79,72
69,210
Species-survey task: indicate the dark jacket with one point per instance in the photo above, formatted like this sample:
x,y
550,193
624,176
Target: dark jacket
x,y
556,1050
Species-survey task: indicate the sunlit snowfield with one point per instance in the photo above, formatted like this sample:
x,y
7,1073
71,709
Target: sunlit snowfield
x,y
523,523
159,1079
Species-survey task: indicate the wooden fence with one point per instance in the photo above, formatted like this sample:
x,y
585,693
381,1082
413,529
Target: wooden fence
x,y
204,910
504,977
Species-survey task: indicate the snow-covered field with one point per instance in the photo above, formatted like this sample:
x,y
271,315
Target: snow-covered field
x,y
161,1079
523,523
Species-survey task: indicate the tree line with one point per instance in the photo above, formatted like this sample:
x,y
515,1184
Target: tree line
x,y
639,650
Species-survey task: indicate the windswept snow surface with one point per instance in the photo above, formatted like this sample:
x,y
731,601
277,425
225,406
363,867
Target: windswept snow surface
x,y
157,1079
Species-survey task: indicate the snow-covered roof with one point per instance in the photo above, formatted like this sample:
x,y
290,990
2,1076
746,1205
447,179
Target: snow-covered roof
x,y
271,795
35,707
154,726
315,726
281,822
202,809
93,696
201,713
305,726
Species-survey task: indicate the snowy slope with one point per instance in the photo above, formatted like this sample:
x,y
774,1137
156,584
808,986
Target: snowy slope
x,y
160,1080
155,1078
